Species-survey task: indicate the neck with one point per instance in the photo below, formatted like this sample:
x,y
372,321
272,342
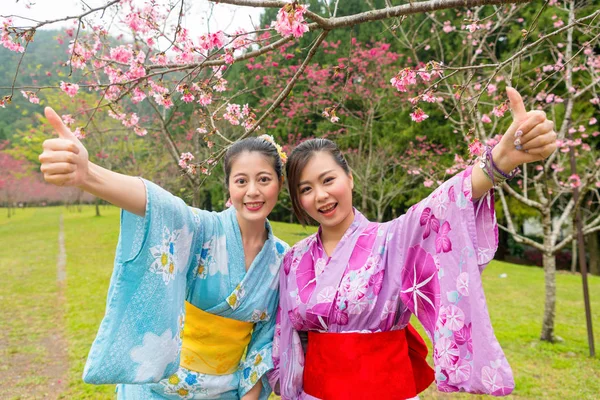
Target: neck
x,y
252,231
334,233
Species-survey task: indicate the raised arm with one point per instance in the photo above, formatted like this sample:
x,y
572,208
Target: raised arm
x,y
65,162
529,138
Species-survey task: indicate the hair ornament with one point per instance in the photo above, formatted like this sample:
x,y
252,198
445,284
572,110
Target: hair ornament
x,y
282,154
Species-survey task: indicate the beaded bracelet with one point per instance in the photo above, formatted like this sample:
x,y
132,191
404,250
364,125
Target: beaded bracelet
x,y
491,170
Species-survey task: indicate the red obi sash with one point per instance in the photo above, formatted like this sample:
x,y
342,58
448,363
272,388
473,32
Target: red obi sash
x,y
383,365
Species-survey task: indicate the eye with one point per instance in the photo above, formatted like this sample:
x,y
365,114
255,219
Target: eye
x,y
264,179
241,181
304,189
328,179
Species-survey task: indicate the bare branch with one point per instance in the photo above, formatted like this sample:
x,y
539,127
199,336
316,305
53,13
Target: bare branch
x,y
80,16
523,239
521,198
376,15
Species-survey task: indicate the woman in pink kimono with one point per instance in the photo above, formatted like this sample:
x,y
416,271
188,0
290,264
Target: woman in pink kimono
x,y
354,284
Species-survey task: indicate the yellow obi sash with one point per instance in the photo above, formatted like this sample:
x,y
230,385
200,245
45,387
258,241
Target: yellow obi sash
x,y
212,344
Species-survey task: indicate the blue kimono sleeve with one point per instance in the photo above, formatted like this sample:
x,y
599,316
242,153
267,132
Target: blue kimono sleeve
x,y
139,339
259,359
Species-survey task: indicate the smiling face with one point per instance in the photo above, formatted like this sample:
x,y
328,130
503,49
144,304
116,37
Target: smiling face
x,y
325,191
253,186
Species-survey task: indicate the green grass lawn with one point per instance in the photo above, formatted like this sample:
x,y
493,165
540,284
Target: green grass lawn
x,y
47,329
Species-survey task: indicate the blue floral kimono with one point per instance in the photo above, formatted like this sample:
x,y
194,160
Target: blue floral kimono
x,y
175,254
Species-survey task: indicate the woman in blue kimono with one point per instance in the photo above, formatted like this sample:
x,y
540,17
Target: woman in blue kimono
x,y
191,303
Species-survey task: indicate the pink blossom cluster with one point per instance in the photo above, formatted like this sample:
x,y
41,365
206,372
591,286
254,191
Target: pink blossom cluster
x,y
137,95
121,54
140,131
185,159
32,97
557,21
330,113
5,38
126,120
210,41
403,79
79,133
242,40
290,20
472,27
186,94
69,88
160,94
574,181
80,52
476,147
228,56
235,114
117,75
68,120
418,115
549,98
143,20
499,111
448,27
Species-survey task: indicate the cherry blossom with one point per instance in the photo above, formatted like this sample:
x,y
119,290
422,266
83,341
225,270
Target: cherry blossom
x,y
290,20
418,115
69,88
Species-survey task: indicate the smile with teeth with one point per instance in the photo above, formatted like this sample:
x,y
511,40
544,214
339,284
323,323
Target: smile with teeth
x,y
327,208
254,206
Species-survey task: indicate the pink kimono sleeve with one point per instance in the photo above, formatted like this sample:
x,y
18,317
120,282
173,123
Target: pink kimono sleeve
x,y
288,357
445,241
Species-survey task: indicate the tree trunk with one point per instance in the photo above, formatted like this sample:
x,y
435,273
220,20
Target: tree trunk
x,y
574,255
549,262
594,249
550,303
196,197
98,207
79,195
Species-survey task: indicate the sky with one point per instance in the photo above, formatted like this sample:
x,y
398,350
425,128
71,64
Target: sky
x,y
224,17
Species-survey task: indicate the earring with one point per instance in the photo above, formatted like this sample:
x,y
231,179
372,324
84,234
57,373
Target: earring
x,y
228,203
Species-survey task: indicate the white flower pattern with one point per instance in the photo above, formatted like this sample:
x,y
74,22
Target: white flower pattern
x,y
154,355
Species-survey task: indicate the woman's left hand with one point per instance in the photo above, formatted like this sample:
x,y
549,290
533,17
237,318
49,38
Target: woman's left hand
x,y
529,138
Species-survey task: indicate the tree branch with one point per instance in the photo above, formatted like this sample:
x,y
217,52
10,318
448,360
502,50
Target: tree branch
x,y
521,198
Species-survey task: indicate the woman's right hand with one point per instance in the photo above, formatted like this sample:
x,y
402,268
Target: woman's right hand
x,y
64,159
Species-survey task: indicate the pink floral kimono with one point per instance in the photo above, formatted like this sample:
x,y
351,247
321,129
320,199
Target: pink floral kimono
x,y
427,262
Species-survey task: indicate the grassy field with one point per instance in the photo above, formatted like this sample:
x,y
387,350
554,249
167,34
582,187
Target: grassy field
x,y
48,326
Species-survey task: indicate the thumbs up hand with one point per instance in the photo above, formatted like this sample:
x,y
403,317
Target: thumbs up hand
x,y
64,159
529,138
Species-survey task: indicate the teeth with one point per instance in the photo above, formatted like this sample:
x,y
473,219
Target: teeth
x,y
329,208
253,205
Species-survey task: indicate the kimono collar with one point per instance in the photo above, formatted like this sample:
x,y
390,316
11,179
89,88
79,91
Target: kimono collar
x,y
360,221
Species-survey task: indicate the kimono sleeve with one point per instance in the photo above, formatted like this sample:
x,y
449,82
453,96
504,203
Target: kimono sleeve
x,y
139,339
444,243
259,359
288,355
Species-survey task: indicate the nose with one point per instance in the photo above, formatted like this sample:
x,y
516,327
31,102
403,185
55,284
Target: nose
x,y
321,194
252,189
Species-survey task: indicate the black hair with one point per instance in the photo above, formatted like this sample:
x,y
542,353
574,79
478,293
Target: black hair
x,y
252,144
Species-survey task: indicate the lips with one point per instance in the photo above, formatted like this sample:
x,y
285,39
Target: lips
x,y
328,209
254,206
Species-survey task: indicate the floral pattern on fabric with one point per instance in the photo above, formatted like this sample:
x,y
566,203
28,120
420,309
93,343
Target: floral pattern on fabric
x,y
185,384
174,254
255,367
426,263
